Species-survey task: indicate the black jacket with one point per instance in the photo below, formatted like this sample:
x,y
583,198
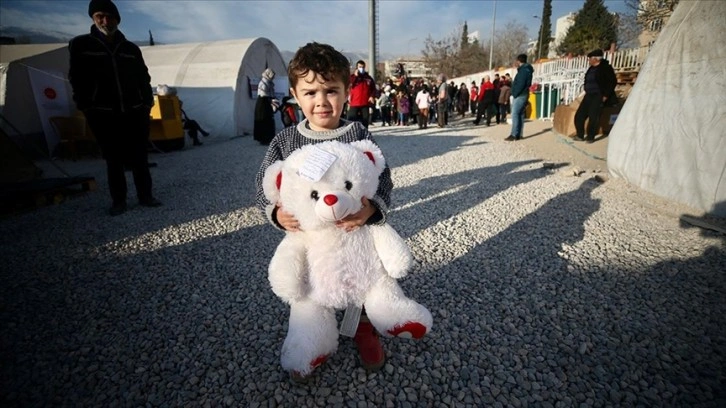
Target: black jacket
x,y
108,76
606,80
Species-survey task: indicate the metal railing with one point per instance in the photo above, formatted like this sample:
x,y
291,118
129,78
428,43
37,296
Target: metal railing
x,y
565,76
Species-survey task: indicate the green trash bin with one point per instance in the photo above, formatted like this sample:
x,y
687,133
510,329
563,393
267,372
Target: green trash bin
x,y
550,97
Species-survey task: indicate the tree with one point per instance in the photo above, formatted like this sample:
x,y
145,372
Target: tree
x,y
593,27
151,38
509,41
644,16
545,31
628,30
451,57
465,37
438,53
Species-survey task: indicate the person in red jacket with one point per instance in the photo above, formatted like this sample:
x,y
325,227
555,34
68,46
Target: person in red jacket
x,y
474,95
362,93
486,101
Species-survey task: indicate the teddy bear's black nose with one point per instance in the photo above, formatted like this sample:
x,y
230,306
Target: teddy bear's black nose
x,y
330,199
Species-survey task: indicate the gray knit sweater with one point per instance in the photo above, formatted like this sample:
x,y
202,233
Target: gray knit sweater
x,y
294,137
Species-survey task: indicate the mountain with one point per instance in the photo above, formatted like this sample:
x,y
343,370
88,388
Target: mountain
x,y
24,36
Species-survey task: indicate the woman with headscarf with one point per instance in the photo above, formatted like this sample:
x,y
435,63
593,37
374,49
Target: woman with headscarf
x,y
462,103
264,112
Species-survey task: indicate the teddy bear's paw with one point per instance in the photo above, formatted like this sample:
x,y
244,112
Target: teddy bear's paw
x,y
409,330
299,377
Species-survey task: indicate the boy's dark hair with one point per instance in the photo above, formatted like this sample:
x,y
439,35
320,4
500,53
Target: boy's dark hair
x,y
361,62
324,60
522,58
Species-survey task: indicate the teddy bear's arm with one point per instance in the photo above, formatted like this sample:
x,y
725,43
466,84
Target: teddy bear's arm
x,y
288,269
392,249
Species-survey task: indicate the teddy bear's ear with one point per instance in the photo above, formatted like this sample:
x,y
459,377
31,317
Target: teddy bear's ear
x,y
272,181
373,152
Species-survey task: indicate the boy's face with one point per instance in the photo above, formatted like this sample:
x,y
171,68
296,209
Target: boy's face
x,y
321,102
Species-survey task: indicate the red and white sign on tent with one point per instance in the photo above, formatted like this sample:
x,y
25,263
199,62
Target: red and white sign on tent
x,y
51,99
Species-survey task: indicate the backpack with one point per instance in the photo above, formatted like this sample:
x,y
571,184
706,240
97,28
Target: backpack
x,y
288,115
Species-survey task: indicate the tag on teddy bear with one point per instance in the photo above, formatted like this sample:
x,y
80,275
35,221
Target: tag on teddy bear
x,y
316,164
351,318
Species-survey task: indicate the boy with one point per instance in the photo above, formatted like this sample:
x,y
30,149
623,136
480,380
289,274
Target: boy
x,y
320,82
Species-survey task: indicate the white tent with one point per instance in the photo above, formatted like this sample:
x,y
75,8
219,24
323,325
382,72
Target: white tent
x,y
669,138
33,87
217,81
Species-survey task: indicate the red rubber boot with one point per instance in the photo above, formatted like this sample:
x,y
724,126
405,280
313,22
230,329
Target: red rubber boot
x,y
369,346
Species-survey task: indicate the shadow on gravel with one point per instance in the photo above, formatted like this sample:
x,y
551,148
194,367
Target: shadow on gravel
x,y
527,321
508,323
150,328
475,186
541,132
415,148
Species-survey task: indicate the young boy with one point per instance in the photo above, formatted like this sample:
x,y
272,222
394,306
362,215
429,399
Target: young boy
x,y
320,81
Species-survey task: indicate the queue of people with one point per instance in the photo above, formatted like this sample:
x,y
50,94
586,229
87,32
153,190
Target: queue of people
x,y
112,113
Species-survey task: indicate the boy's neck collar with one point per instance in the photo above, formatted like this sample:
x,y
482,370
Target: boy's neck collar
x,y
304,128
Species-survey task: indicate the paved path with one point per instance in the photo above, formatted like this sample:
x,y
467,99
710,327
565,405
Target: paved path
x,y
546,289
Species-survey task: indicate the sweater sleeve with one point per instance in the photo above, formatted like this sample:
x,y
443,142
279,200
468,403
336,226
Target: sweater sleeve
x,y
274,153
382,199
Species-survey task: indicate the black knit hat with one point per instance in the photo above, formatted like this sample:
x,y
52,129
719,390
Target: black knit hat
x,y
105,6
596,53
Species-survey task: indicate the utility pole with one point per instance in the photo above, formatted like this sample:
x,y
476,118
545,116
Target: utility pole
x,y
491,42
539,46
372,38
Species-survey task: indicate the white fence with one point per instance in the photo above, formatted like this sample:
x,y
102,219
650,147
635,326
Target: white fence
x,y
563,78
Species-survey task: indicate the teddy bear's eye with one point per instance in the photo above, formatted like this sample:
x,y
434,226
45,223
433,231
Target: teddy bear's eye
x,y
314,195
348,185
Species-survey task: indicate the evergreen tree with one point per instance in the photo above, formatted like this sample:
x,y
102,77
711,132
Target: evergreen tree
x,y
545,31
593,27
151,38
465,37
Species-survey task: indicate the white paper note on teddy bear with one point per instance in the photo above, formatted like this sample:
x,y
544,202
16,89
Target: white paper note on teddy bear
x,y
316,164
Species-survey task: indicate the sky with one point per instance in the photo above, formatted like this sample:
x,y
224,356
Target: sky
x,y
289,24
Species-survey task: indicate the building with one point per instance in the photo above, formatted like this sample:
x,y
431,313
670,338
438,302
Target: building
x,y
652,16
561,26
415,68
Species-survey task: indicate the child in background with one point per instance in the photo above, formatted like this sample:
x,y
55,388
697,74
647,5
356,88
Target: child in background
x,y
423,100
403,108
319,81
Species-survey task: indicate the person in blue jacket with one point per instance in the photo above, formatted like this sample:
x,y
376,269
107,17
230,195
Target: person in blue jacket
x,y
520,93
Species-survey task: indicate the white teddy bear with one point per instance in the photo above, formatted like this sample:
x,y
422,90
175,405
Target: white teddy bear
x,y
322,268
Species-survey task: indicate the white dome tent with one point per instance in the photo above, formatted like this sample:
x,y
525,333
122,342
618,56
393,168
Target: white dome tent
x,y
669,137
217,81
34,87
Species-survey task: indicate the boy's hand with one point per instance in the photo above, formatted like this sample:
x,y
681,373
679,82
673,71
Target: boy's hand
x,y
287,220
355,221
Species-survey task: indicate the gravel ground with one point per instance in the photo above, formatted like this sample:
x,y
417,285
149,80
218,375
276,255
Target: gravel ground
x,y
546,289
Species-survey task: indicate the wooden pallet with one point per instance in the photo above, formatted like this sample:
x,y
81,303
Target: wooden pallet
x,y
626,78
27,196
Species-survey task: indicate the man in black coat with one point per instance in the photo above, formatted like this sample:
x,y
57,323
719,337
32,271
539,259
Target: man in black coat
x,y
600,84
112,87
